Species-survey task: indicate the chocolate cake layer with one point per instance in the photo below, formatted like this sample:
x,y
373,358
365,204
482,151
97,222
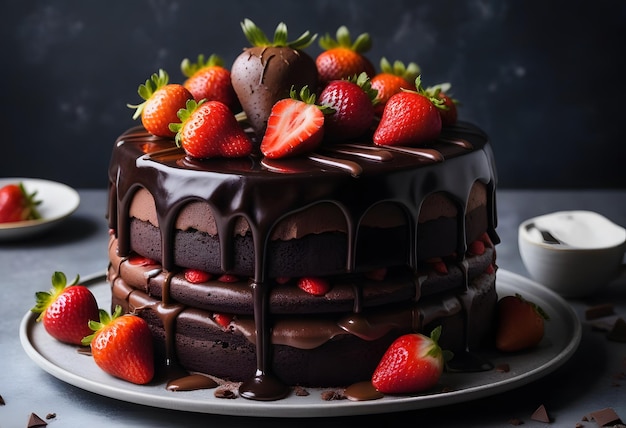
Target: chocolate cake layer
x,y
311,349
342,212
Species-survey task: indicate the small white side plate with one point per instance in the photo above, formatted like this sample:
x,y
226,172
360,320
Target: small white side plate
x,y
58,201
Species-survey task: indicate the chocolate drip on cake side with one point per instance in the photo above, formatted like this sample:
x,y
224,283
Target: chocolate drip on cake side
x,y
354,177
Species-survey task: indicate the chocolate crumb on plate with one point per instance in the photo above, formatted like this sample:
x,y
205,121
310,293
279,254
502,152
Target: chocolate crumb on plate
x,y
300,391
35,421
618,332
331,395
51,415
503,368
224,391
541,415
605,417
516,421
2,403
599,311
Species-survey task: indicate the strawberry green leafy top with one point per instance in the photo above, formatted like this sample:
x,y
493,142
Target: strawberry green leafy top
x,y
257,37
362,44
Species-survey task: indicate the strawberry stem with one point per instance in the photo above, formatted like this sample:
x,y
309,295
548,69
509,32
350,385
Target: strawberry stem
x,y
257,37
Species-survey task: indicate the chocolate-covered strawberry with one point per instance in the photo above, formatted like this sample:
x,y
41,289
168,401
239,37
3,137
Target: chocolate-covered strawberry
x,y
265,72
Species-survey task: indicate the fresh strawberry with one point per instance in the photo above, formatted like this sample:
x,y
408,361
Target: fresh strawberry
x,y
392,79
209,129
208,79
138,260
295,126
342,58
410,118
448,108
520,324
438,265
122,346
314,285
66,309
197,276
16,204
412,363
265,72
476,248
222,319
228,278
161,105
352,102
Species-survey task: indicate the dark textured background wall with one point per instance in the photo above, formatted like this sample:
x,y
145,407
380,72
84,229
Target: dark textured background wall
x,y
544,78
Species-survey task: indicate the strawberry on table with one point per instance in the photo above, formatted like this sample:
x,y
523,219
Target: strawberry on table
x,y
208,79
66,309
122,346
410,118
520,324
295,126
161,105
16,204
352,100
343,58
209,129
392,79
412,363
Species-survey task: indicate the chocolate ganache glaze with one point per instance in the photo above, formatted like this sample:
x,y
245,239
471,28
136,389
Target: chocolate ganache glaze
x,y
354,177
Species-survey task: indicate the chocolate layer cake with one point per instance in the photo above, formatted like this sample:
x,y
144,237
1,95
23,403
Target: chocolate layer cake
x,y
405,237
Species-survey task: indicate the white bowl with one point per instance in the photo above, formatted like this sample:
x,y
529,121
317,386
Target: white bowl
x,y
574,253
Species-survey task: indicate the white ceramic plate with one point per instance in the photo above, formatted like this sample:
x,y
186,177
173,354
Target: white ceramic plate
x,y
58,201
563,333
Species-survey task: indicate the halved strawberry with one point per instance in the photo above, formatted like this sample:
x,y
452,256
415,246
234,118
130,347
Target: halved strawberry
x,y
228,278
295,126
222,319
476,248
209,129
314,285
161,105
197,276
138,260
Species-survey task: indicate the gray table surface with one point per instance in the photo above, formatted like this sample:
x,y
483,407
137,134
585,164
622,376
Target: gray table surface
x,y
592,379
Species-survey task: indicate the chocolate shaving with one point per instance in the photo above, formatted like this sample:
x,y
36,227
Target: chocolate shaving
x,y
300,391
225,392
331,395
599,311
540,415
605,417
51,415
35,421
2,403
618,332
